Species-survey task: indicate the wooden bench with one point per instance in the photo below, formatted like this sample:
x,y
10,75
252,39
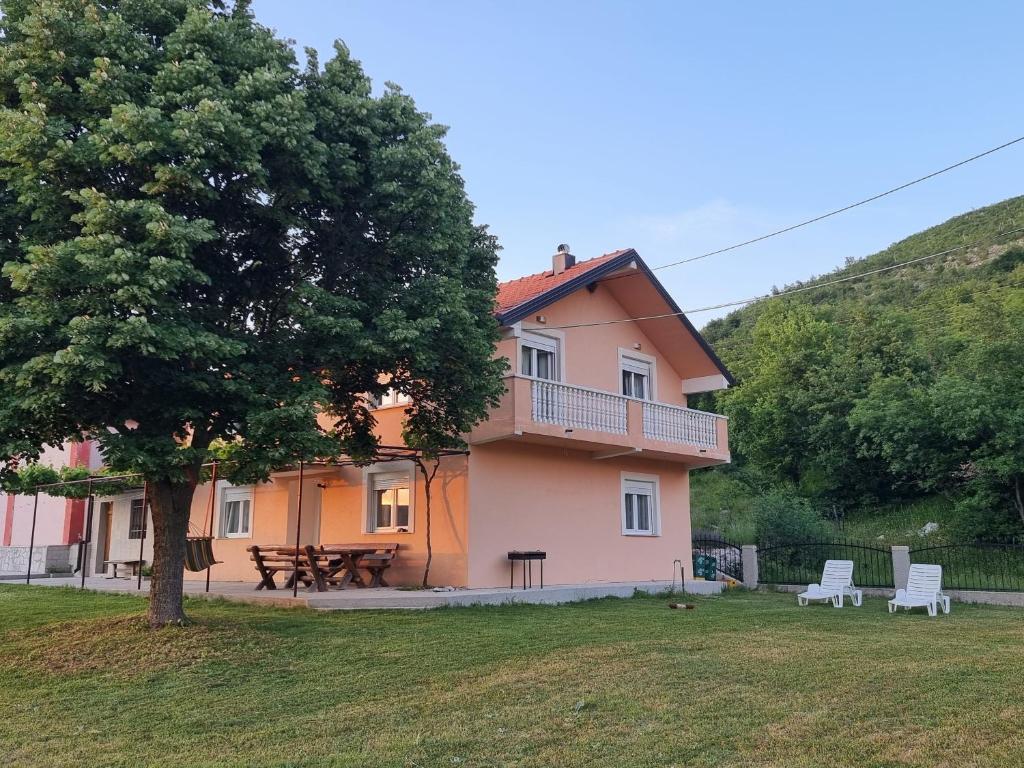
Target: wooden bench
x,y
135,565
378,562
274,559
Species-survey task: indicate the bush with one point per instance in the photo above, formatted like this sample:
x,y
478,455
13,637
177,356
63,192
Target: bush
x,y
985,512
783,517
721,503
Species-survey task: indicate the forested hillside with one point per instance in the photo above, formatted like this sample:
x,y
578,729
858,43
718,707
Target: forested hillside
x,y
890,388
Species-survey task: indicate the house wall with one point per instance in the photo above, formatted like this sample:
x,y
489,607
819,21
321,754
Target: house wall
x,y
121,547
269,525
334,512
592,353
343,521
570,505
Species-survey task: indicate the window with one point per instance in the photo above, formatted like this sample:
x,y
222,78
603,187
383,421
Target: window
x,y
639,507
391,397
236,513
538,356
390,506
636,378
137,520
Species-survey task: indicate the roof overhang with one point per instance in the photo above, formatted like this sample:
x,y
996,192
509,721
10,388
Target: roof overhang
x,y
627,267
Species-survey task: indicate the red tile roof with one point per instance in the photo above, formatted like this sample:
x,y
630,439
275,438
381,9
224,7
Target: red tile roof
x,y
515,292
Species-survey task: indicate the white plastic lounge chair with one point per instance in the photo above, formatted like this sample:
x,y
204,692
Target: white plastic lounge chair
x,y
836,582
924,590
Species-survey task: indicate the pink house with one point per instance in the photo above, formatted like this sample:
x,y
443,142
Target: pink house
x,y
587,457
59,521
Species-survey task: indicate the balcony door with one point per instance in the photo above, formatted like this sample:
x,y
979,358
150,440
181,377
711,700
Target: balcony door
x,y
539,359
637,378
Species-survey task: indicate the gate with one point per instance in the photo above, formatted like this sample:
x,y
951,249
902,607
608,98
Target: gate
x,y
728,556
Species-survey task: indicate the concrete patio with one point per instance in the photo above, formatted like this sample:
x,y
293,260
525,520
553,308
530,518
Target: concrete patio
x,y
386,597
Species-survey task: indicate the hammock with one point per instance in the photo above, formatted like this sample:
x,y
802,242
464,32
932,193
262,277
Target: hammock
x,y
199,553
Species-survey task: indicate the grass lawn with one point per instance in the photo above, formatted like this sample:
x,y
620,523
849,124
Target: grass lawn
x,y
743,680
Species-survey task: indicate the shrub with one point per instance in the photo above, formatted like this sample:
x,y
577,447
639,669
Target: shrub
x,y
783,517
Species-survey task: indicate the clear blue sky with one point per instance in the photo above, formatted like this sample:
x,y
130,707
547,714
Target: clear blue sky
x,y
676,128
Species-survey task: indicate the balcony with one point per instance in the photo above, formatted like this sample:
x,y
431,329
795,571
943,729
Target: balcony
x,y
604,423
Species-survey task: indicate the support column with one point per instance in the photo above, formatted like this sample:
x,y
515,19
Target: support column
x,y
900,566
750,574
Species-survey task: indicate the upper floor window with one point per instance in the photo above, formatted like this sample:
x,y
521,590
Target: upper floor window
x,y
236,513
391,397
538,356
637,378
137,520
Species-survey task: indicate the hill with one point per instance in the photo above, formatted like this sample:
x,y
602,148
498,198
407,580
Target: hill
x,y
885,390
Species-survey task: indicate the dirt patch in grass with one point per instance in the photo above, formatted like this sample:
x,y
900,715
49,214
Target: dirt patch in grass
x,y
123,646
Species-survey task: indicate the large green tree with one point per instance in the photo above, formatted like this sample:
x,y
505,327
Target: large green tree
x,y
202,241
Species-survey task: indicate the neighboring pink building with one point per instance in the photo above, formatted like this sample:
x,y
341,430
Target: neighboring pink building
x,y
586,458
59,521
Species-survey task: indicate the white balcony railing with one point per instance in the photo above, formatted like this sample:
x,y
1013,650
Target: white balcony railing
x,y
681,425
578,407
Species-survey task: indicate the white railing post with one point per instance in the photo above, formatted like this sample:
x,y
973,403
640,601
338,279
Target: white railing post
x,y
584,408
674,424
578,407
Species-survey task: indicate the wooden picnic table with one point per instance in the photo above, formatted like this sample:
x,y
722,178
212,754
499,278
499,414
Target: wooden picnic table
x,y
323,566
337,565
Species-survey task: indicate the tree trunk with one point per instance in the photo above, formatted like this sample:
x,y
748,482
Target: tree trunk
x,y
171,506
428,479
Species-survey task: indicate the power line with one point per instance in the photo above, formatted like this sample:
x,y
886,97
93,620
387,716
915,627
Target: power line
x,y
790,292
845,208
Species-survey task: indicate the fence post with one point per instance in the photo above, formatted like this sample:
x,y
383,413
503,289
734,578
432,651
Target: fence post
x,y
900,566
749,555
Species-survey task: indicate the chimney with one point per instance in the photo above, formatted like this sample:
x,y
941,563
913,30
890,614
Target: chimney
x,y
562,259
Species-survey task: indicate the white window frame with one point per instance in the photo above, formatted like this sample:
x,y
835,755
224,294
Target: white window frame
x,y
390,399
650,485
404,468
229,495
629,360
551,341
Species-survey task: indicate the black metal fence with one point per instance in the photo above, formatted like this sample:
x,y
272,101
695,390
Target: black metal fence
x,y
996,566
802,562
728,557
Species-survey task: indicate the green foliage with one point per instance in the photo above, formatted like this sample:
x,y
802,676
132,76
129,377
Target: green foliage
x,y
66,482
200,242
900,385
721,501
783,517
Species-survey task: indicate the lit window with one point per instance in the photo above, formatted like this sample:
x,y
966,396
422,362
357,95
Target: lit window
x,y
137,520
236,513
636,379
390,494
539,357
639,507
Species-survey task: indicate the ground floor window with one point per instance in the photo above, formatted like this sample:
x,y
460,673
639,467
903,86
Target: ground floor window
x,y
390,501
137,520
236,513
640,506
